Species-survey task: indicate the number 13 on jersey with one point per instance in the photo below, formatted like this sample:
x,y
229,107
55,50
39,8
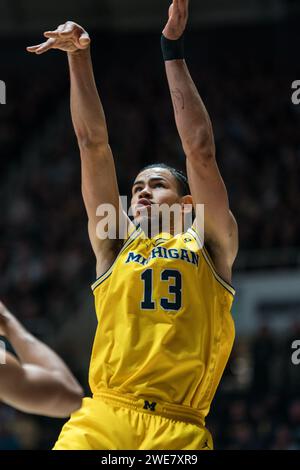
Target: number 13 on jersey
x,y
174,280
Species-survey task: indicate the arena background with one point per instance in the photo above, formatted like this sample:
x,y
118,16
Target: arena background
x,y
244,57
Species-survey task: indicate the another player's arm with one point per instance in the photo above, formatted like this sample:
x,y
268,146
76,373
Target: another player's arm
x,y
39,382
99,182
196,133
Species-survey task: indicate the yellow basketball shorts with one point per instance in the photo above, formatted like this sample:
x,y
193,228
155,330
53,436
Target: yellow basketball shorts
x,y
110,421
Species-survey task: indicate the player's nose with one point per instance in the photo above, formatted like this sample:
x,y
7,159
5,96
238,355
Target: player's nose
x,y
145,193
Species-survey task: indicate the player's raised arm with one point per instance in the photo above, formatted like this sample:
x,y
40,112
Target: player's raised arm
x,y
99,182
39,382
196,133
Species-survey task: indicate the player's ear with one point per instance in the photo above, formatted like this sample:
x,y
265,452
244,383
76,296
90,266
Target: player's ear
x,y
187,203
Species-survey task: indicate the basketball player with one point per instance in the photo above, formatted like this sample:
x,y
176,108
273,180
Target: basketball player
x,y
39,382
163,303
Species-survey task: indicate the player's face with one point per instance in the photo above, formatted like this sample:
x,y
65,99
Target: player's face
x,y
153,186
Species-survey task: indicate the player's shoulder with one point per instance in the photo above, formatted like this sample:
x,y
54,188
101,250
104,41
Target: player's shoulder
x,y
192,239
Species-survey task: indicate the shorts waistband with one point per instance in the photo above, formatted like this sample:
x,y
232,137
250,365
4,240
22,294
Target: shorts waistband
x,y
152,406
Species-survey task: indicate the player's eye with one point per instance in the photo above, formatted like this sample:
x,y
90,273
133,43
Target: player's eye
x,y
137,189
159,185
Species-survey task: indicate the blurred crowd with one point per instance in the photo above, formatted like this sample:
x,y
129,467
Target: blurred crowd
x,y
46,263
257,405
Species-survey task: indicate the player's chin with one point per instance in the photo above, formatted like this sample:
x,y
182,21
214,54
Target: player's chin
x,y
142,218
142,213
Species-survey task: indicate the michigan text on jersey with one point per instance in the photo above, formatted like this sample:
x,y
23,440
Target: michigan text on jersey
x,y
162,252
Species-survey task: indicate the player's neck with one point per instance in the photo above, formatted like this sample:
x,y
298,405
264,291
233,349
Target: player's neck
x,y
151,229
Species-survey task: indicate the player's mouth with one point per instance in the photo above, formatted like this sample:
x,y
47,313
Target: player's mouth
x,y
143,202
143,207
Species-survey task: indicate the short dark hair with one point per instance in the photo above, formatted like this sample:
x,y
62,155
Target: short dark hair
x,y
181,178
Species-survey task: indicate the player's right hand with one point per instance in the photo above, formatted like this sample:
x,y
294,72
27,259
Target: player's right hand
x,y
68,37
178,16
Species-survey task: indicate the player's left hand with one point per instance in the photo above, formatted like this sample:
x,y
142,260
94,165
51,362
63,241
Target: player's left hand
x,y
178,16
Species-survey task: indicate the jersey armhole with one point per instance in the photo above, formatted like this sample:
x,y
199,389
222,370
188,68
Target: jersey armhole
x,y
133,233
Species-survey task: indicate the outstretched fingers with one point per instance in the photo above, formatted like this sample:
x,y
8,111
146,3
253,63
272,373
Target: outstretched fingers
x,y
41,48
45,46
55,34
32,48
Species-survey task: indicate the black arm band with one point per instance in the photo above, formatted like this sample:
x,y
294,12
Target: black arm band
x,y
172,49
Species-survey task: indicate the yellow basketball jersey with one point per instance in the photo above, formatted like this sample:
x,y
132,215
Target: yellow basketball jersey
x,y
165,329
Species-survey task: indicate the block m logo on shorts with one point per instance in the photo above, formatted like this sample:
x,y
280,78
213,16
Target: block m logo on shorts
x,y
149,406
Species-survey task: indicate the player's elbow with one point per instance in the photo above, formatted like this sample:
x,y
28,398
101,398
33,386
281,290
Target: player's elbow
x,y
77,398
73,393
66,402
72,402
